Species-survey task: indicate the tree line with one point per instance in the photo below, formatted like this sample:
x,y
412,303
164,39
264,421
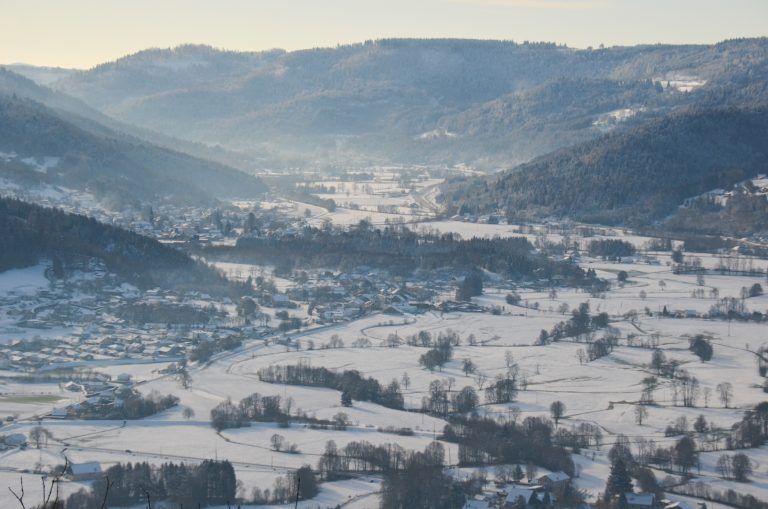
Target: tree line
x,y
351,382
401,251
31,233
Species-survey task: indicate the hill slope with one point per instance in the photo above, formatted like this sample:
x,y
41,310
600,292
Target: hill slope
x,y
410,100
31,232
87,117
634,177
82,154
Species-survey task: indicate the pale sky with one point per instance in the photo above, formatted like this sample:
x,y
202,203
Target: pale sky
x,y
83,33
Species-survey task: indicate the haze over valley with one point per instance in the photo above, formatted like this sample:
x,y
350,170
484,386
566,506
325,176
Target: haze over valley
x,y
407,272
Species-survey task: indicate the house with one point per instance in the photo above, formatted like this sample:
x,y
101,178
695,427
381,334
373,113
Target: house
x,y
59,413
479,502
531,496
640,500
16,440
554,480
280,300
84,471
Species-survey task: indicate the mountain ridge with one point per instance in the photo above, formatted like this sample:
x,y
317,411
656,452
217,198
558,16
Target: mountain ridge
x,y
112,165
374,101
635,177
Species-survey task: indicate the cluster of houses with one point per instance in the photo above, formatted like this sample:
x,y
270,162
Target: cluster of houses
x,y
336,297
538,495
542,492
99,396
96,344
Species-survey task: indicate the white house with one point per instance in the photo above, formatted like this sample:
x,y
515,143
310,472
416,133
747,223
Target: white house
x,y
554,480
84,471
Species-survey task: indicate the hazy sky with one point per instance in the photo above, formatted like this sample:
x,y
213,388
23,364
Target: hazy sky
x,y
82,33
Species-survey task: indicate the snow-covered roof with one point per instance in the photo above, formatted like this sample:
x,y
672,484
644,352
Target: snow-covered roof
x,y
477,503
15,439
640,498
514,492
92,467
556,476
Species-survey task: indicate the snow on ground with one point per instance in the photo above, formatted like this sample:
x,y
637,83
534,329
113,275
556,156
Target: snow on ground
x,y
24,281
604,392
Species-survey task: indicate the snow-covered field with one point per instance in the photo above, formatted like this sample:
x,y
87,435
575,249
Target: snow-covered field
x,y
603,392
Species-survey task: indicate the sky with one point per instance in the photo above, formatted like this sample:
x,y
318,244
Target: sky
x,y
83,33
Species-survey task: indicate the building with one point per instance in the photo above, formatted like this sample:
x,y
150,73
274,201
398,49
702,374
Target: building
x,y
16,440
554,480
479,502
84,471
59,413
533,497
640,500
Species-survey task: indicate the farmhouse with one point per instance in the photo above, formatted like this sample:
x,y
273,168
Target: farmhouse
x,y
640,500
531,497
16,440
554,480
84,471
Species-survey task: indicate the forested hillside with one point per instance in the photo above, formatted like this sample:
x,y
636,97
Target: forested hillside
x,y
111,165
90,119
491,103
31,233
633,177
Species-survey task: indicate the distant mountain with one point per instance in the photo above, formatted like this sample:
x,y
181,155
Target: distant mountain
x,y
31,233
633,177
25,86
556,114
41,75
492,103
52,147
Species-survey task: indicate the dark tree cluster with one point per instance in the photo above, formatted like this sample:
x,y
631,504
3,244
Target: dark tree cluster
x,y
209,483
580,323
298,485
580,436
502,390
701,346
31,232
611,249
634,176
350,382
422,483
134,406
203,350
440,401
470,286
251,408
143,313
752,430
484,441
439,354
401,251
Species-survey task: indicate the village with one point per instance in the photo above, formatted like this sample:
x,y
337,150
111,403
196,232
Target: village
x,y
89,362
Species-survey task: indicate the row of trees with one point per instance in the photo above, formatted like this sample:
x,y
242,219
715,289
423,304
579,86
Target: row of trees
x,y
36,232
484,441
581,323
209,483
134,406
439,354
351,382
611,249
403,251
251,408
